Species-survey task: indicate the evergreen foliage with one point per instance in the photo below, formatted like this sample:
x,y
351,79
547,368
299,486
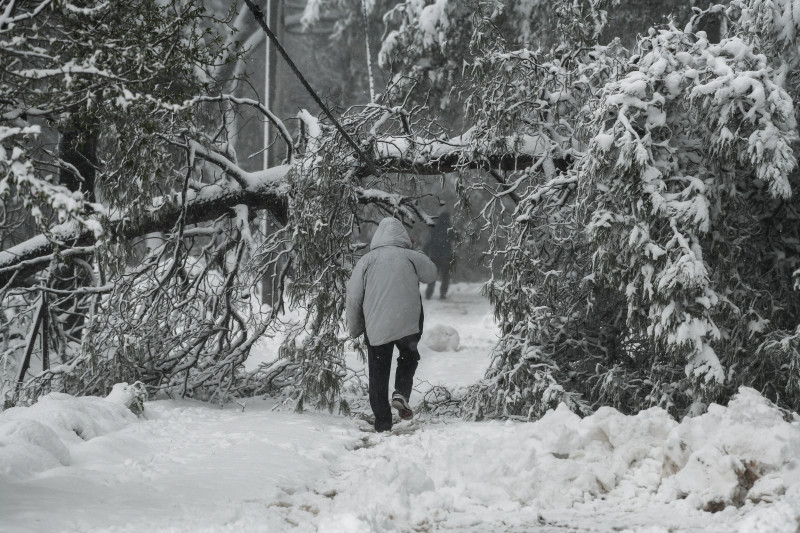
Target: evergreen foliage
x,y
656,268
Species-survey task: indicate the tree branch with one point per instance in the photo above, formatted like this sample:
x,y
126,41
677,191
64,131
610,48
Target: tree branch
x,y
265,189
204,205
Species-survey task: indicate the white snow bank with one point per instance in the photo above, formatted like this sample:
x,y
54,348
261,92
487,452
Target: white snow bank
x,y
730,455
511,473
187,467
45,435
441,338
195,467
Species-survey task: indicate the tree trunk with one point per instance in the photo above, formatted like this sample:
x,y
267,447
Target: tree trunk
x,y
33,255
78,149
31,340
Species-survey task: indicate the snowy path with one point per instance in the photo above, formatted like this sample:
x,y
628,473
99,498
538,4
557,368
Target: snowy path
x,y
465,309
88,465
193,467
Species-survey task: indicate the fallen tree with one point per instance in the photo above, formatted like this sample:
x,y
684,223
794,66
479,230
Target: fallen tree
x,y
266,190
640,206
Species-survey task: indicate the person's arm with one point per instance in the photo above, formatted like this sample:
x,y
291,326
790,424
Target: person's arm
x,y
354,302
426,270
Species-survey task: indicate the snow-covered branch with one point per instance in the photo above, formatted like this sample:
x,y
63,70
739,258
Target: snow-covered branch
x,y
266,191
424,157
7,18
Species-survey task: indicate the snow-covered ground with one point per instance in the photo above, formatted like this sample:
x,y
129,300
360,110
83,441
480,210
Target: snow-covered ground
x,y
88,464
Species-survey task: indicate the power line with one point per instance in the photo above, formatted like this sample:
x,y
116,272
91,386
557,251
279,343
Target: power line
x,y
259,16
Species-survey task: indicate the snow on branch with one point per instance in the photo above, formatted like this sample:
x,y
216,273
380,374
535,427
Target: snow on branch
x,y
420,156
85,10
7,19
265,189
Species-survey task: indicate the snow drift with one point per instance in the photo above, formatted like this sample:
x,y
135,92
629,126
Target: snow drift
x,y
741,456
43,436
734,467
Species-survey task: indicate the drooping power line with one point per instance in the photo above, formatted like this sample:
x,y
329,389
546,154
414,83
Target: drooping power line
x,y
259,16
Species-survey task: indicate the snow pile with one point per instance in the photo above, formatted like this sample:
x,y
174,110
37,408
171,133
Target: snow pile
x,y
43,436
316,473
447,475
745,452
131,396
441,338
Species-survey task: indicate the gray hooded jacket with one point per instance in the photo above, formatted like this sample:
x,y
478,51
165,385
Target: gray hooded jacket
x,y
383,291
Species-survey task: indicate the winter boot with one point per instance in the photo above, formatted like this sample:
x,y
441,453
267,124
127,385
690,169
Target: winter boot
x,y
400,403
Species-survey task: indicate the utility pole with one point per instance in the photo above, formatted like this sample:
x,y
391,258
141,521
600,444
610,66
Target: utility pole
x,y
273,11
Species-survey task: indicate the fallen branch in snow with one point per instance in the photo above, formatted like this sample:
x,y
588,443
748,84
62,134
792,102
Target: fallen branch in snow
x,y
263,190
204,205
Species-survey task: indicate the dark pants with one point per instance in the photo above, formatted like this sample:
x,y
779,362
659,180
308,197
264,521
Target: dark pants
x,y
380,366
444,273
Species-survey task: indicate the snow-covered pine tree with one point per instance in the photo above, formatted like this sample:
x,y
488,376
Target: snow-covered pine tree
x,y
657,269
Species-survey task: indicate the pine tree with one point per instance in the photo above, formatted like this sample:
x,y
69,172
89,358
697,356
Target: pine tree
x,y
656,270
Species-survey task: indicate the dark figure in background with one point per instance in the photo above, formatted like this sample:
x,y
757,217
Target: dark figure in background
x,y
440,250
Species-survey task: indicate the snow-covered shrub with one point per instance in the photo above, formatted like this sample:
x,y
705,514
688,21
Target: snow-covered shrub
x,y
666,165
131,396
653,267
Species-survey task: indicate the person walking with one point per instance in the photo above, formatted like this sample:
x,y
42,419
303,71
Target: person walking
x,y
440,250
383,303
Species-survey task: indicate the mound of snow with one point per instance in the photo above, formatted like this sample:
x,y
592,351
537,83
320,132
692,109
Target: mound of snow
x,y
131,396
441,338
40,437
734,456
747,451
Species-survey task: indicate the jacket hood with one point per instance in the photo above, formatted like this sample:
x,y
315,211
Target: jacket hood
x,y
390,232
